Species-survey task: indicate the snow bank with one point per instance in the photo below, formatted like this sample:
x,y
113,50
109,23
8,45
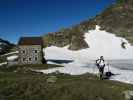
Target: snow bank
x,y
101,43
4,63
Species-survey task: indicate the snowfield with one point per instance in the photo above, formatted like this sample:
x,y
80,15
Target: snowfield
x,y
107,45
101,43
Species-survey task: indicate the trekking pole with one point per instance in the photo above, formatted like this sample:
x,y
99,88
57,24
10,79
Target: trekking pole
x,y
108,67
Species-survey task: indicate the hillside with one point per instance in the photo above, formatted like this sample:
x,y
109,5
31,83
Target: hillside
x,y
22,83
5,46
33,86
115,19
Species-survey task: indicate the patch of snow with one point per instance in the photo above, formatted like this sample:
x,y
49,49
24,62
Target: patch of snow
x,y
4,63
3,43
12,58
72,68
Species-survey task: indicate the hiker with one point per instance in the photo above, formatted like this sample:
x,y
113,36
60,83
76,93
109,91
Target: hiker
x,y
100,65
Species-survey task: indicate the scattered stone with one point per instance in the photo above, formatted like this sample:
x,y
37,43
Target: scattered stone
x,y
57,72
123,45
25,70
99,98
128,94
51,79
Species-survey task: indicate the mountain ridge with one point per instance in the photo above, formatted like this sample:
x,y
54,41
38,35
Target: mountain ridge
x,y
115,19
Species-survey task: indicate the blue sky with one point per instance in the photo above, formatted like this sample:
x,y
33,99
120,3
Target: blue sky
x,y
37,17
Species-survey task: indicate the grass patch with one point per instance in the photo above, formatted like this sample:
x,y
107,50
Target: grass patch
x,y
38,66
15,86
2,59
29,85
13,68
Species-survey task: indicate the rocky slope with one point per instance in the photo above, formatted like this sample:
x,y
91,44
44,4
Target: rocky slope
x,y
117,19
5,46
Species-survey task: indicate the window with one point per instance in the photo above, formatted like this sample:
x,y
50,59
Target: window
x,y
24,59
29,59
35,58
23,51
35,51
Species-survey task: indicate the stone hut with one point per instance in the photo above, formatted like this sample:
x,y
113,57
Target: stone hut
x,y
31,50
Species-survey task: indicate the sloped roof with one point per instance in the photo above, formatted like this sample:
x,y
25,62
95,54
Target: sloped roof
x,y
30,41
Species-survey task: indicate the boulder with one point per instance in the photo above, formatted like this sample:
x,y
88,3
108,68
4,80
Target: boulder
x,y
128,94
51,79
